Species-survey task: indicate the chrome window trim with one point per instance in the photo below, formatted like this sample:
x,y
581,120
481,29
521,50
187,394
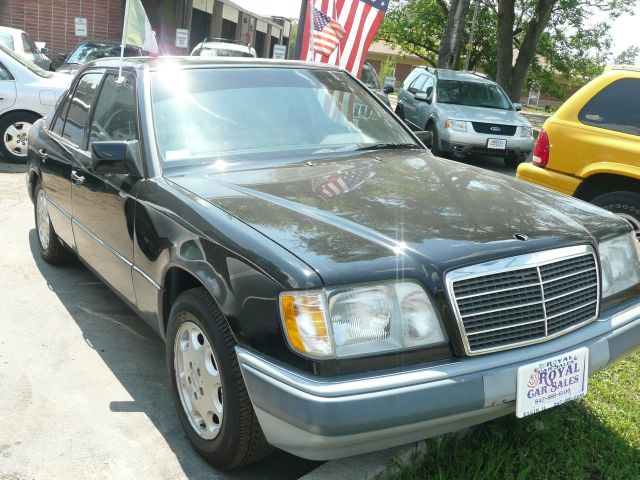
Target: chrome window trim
x,y
532,260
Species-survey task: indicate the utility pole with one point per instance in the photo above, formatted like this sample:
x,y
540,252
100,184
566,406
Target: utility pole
x,y
467,57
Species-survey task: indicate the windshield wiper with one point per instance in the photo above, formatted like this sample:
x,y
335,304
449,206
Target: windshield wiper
x,y
387,146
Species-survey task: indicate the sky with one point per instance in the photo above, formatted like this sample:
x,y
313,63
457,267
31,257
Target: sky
x,y
624,31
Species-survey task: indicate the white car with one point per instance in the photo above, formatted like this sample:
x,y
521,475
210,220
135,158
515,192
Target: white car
x,y
20,42
219,47
27,93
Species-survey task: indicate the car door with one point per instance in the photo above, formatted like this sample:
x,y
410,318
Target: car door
x,y
104,204
410,104
7,89
58,149
424,109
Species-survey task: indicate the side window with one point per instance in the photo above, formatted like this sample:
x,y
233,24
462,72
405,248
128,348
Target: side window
x,y
428,86
28,45
78,111
55,122
616,107
4,73
418,83
115,111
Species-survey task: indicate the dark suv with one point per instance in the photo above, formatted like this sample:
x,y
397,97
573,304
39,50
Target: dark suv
x,y
467,114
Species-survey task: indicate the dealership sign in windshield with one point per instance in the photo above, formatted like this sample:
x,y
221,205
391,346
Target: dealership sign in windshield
x,y
552,381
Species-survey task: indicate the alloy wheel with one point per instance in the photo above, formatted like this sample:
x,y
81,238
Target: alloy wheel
x,y
198,380
42,217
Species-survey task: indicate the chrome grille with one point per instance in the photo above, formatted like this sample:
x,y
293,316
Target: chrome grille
x,y
524,299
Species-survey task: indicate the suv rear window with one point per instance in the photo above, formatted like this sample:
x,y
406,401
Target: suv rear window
x,y
616,107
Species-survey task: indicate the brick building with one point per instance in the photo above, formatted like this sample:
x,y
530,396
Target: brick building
x,y
53,22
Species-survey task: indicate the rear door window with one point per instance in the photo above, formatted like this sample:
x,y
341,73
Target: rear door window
x,y
418,83
616,107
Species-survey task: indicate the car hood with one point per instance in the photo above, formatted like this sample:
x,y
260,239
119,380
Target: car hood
x,y
374,215
482,114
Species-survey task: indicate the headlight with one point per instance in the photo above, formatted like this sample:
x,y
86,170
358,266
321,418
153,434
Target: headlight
x,y
620,264
362,320
526,132
458,125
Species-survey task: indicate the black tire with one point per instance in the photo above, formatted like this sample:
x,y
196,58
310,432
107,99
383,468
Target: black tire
x,y
240,440
512,162
400,112
623,203
18,119
53,250
435,146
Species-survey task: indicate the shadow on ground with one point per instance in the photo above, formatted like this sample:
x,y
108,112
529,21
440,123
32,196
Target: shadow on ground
x,y
135,355
11,167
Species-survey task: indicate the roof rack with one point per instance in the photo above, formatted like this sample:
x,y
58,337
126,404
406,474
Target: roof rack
x,y
477,74
631,68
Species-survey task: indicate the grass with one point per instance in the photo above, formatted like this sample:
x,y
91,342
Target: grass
x,y
595,438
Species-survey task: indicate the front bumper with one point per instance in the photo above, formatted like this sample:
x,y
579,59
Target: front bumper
x,y
463,144
321,419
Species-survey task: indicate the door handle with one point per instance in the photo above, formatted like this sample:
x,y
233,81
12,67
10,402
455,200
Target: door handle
x,y
77,178
43,155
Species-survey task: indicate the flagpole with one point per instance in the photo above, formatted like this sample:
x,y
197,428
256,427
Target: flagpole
x,y
302,25
124,33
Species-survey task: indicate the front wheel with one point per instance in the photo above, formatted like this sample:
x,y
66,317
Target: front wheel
x,y
624,204
435,146
211,400
15,128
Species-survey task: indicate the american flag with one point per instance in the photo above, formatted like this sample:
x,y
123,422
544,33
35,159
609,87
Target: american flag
x,y
360,20
334,184
327,33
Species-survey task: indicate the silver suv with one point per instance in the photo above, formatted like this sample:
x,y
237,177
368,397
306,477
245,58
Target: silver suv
x,y
466,113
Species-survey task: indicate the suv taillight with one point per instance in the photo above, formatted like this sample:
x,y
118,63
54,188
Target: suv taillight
x,y
541,150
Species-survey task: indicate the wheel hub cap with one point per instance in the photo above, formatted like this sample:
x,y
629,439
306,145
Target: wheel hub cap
x,y
42,219
198,380
16,138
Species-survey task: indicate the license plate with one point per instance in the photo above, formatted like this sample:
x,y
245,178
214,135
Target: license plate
x,y
497,143
551,382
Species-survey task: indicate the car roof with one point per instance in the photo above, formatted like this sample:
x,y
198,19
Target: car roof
x,y
460,75
11,30
188,62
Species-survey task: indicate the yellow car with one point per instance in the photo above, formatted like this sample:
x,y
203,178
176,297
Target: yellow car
x,y
590,148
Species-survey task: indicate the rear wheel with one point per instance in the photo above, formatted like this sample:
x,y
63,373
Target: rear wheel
x,y
624,204
15,128
211,400
52,249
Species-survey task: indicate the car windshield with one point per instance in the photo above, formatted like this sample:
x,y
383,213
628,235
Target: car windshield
x,y
223,52
473,94
86,52
6,40
369,78
26,63
252,113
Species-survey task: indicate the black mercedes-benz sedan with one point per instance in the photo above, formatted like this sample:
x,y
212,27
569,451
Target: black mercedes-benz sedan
x,y
324,284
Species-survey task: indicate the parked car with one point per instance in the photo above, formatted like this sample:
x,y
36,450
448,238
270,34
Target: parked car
x,y
27,93
590,148
324,286
369,77
467,113
221,47
20,42
86,52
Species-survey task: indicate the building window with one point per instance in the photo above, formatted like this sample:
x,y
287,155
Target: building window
x,y
229,29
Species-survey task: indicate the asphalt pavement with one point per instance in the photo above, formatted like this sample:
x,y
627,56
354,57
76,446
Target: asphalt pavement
x,y
84,389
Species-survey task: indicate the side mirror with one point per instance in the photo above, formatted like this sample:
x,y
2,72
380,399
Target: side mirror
x,y
45,50
118,157
389,89
517,106
62,56
422,97
425,137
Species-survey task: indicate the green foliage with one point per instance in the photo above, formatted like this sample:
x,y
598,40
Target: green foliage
x,y
628,56
571,51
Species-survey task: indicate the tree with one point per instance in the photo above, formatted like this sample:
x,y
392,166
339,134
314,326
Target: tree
x,y
449,53
628,56
520,43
